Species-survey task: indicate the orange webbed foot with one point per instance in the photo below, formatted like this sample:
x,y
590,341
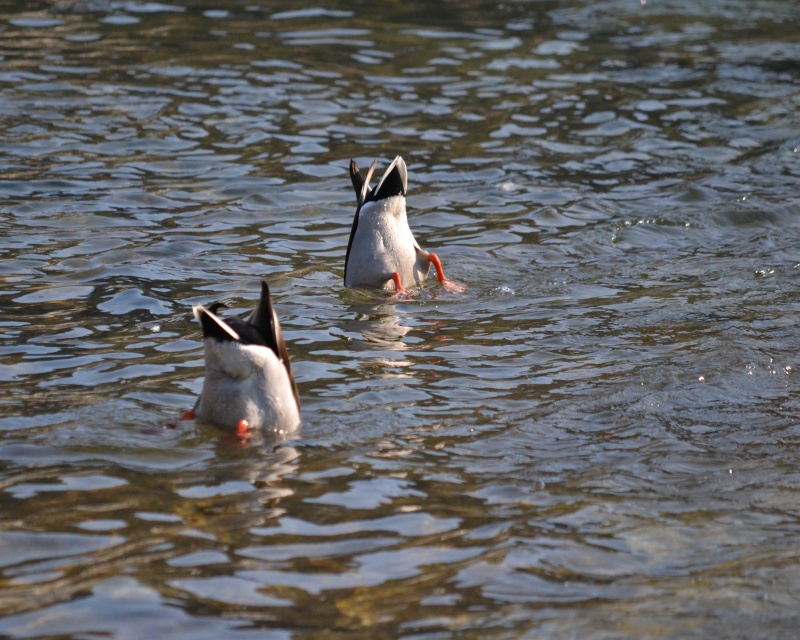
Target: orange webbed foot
x,y
449,285
188,415
401,293
238,439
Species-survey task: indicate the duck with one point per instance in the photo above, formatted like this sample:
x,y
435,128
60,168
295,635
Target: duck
x,y
382,252
248,385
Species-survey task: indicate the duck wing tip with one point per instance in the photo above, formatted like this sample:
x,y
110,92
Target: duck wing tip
x,y
356,178
265,319
265,294
394,181
214,326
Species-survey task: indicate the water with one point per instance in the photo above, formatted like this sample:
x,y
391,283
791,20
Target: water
x,y
598,440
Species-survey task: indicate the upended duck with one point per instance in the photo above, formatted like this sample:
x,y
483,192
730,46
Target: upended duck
x,y
382,251
248,380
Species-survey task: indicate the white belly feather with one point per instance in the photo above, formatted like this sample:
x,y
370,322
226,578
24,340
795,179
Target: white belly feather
x,y
244,381
384,244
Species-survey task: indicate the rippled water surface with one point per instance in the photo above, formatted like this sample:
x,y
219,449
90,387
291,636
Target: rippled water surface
x,y
598,440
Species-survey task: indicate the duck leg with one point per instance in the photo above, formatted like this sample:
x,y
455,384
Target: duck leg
x,y
400,291
449,285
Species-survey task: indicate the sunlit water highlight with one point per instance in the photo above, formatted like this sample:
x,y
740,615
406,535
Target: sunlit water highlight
x,y
599,439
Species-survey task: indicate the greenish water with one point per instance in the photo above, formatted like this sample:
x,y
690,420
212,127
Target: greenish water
x,y
598,440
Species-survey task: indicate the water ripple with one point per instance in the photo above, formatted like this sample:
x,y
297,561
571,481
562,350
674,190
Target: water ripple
x,y
602,428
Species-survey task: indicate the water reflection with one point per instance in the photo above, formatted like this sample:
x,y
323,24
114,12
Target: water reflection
x,y
602,429
380,325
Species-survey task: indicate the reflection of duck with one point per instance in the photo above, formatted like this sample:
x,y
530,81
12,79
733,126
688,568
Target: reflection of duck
x,y
387,331
382,251
248,379
377,325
